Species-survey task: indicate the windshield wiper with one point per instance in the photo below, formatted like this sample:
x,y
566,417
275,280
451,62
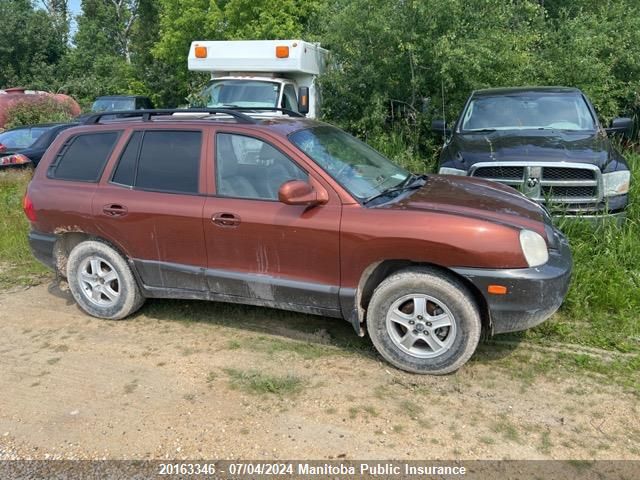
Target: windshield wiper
x,y
481,130
408,183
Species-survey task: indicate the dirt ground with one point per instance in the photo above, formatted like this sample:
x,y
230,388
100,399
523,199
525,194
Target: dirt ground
x,y
181,380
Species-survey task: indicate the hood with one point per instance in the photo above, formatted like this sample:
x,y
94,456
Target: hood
x,y
476,198
539,146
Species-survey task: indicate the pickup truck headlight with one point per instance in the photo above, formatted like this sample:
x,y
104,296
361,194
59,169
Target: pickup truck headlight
x,y
534,248
451,171
616,183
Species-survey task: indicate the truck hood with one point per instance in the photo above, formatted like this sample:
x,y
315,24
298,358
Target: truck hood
x,y
474,197
539,146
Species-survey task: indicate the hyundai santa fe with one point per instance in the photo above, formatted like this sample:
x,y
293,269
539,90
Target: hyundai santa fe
x,y
291,213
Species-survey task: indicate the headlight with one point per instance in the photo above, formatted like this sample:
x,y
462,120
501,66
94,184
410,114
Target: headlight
x,y
616,183
451,171
534,248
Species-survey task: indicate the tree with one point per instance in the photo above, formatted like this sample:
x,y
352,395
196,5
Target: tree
x,y
58,10
29,45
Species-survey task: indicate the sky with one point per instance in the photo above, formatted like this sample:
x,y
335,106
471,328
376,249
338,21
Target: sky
x,y
74,7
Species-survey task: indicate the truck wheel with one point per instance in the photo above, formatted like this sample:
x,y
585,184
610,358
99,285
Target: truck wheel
x,y
101,282
424,321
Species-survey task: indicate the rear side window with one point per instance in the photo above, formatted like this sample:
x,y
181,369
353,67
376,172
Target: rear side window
x,y
85,157
125,173
161,160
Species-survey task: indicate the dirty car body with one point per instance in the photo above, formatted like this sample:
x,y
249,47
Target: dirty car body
x,y
545,141
293,214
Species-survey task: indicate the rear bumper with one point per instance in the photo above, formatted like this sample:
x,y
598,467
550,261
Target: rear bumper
x,y
42,245
533,294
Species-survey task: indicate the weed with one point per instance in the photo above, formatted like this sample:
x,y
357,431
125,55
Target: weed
x,y
545,442
411,409
487,440
257,382
397,428
507,429
131,386
211,376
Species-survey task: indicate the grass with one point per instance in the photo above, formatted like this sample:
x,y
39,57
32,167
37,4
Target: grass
x,y
259,383
273,345
17,265
507,429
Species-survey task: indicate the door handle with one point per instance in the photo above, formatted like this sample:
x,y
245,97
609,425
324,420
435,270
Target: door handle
x,y
223,219
114,210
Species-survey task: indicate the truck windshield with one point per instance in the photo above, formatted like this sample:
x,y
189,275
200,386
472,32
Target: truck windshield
x,y
113,104
241,93
528,111
360,169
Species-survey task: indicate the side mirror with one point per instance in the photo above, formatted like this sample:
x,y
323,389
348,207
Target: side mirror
x,y
621,126
303,100
299,192
440,127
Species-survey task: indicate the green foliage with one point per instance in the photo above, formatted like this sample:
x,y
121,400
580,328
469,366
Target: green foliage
x,y
30,44
390,53
17,265
41,111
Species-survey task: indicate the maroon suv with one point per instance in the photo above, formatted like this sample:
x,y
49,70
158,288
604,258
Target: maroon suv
x,y
295,214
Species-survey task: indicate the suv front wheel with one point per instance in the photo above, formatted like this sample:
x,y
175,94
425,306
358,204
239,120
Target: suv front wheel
x,y
424,321
101,282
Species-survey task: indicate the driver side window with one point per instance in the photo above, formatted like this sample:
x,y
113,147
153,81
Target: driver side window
x,y
247,167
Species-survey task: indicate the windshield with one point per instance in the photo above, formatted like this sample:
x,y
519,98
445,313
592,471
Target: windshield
x,y
113,104
528,111
20,138
241,93
356,166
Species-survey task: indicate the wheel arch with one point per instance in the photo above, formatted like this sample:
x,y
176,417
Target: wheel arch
x,y
375,273
65,242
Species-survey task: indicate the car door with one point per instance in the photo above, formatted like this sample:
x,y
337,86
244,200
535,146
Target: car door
x,y
262,250
151,206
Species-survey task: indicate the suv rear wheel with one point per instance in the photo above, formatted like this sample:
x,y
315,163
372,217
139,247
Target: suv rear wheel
x,y
424,321
101,282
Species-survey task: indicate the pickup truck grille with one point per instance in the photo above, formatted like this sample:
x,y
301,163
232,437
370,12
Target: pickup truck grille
x,y
546,182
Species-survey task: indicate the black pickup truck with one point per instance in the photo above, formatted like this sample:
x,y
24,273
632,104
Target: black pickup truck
x,y
545,141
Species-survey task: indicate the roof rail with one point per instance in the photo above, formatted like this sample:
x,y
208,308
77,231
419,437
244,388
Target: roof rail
x,y
146,115
291,113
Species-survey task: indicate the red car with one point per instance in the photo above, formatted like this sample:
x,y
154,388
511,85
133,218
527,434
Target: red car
x,y
292,213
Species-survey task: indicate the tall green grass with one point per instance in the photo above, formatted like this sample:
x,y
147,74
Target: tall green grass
x,y
602,308
17,265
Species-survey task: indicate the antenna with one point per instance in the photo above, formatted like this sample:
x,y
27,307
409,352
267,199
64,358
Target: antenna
x,y
444,114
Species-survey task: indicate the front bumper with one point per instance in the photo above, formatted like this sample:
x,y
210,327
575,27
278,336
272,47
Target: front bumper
x,y
533,294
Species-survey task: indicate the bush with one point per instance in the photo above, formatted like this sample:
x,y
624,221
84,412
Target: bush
x,y
40,111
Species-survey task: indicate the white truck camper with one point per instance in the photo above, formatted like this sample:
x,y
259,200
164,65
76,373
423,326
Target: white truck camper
x,y
260,74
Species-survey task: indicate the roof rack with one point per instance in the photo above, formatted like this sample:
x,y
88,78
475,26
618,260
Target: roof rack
x,y
146,115
291,113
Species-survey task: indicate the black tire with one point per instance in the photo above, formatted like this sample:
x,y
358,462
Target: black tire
x,y
387,336
121,296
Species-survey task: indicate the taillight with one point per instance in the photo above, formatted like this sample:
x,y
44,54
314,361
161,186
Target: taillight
x,y
17,159
29,209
